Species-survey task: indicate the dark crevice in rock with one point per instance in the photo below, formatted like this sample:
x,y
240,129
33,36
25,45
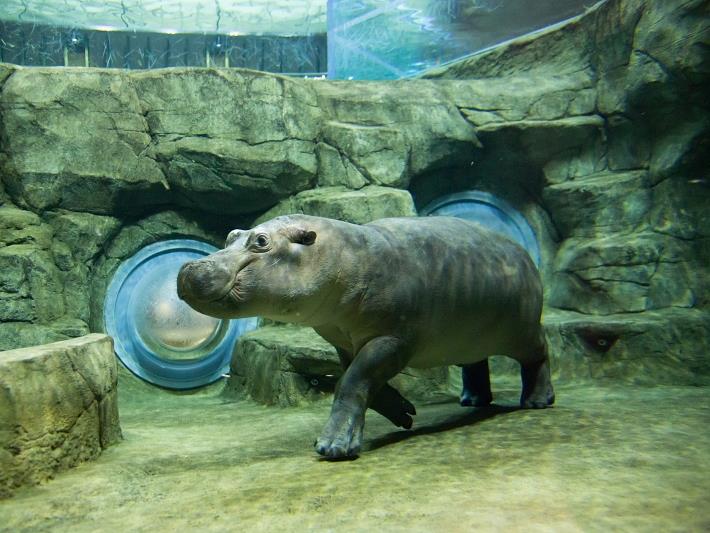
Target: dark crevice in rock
x,y
681,237
635,23
69,431
89,383
571,307
365,124
6,75
344,157
606,279
462,113
555,235
482,110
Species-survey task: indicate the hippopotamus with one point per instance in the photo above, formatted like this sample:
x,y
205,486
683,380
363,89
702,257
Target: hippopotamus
x,y
413,291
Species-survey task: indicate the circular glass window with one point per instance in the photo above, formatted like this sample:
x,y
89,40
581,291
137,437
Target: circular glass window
x,y
158,336
491,212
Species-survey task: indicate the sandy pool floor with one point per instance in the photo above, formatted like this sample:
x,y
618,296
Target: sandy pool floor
x,y
603,459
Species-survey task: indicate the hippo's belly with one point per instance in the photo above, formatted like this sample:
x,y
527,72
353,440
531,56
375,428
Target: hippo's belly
x,y
462,345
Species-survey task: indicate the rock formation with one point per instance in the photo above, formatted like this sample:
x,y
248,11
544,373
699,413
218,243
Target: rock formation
x,y
58,408
595,129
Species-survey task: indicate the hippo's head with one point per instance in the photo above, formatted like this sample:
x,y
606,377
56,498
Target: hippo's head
x,y
275,270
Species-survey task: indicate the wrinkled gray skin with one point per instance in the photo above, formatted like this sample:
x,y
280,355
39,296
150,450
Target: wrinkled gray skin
x,y
419,292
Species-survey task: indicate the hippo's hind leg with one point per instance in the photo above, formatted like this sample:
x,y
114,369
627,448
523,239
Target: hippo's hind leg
x,y
537,385
476,380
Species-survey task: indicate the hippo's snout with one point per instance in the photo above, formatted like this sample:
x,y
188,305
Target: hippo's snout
x,y
203,280
184,288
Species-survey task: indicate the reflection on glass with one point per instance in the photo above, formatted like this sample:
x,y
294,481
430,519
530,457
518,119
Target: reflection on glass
x,y
283,17
286,36
167,323
375,40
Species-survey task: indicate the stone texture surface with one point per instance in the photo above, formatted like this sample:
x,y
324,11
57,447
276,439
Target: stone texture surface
x,y
76,142
651,348
228,140
391,132
606,120
359,206
223,141
596,130
58,408
283,365
622,273
288,365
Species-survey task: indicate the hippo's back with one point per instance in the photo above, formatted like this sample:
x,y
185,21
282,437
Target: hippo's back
x,y
456,232
457,284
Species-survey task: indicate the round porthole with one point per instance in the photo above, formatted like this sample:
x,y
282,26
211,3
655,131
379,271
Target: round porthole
x,y
158,336
490,211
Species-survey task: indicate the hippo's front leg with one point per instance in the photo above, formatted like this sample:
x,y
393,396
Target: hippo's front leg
x,y
387,400
378,361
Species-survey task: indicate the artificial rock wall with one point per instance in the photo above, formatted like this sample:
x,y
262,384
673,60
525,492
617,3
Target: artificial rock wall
x,y
596,130
58,408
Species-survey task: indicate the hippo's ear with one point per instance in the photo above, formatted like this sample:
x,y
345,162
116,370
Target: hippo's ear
x,y
302,236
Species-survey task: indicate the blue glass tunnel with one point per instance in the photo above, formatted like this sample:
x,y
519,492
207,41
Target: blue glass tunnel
x,y
490,211
156,335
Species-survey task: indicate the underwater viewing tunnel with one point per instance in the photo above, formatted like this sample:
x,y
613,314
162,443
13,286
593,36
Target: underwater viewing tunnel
x,y
491,212
135,135
158,336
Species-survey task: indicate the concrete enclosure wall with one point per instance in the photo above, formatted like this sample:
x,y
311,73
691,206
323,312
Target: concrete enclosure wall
x,y
596,130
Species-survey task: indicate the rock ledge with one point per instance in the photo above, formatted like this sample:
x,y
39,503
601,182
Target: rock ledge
x,y
58,408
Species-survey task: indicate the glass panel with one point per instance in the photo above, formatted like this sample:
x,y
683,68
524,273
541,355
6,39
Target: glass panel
x,y
285,36
279,17
375,39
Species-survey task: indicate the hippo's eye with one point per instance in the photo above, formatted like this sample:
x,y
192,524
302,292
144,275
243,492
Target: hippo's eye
x,y
262,241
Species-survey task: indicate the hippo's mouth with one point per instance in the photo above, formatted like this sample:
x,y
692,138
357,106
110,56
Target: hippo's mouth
x,y
193,293
225,300
234,293
224,306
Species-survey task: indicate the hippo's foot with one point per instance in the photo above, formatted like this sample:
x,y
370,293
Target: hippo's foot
x,y
476,390
474,400
394,407
342,436
538,403
537,386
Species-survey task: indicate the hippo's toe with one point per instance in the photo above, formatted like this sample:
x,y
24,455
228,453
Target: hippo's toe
x,y
475,400
341,438
338,448
538,402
